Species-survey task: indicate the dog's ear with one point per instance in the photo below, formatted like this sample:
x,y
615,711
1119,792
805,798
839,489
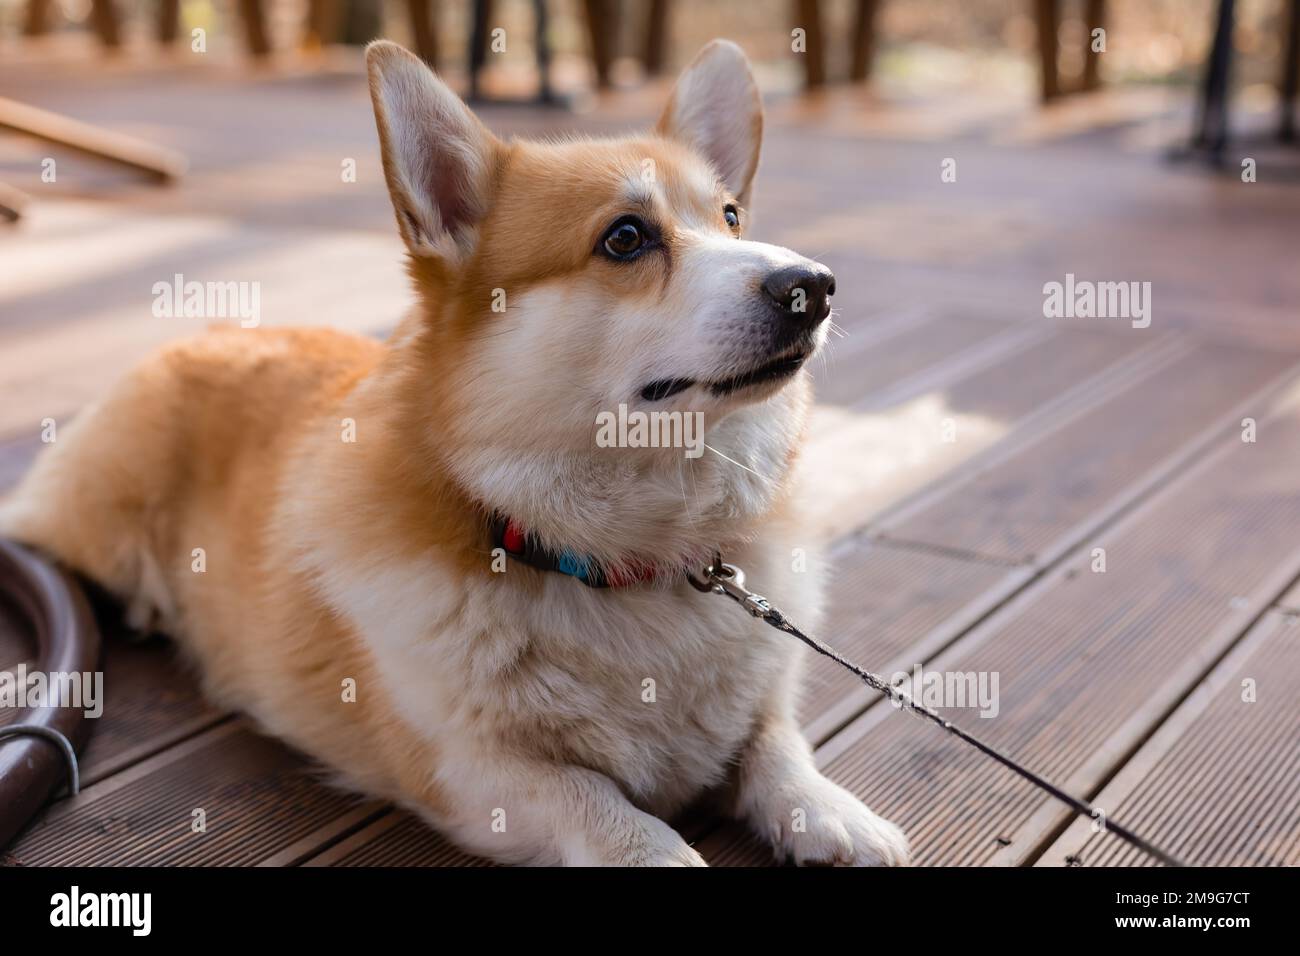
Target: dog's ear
x,y
438,158
716,108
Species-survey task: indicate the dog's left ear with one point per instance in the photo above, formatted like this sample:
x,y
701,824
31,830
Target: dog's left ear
x,y
716,109
438,158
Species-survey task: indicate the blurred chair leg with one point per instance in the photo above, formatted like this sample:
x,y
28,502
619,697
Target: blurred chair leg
x,y
478,43
259,41
424,30
601,27
12,202
169,21
1290,74
104,15
809,18
864,37
1047,17
656,37
37,20
1094,18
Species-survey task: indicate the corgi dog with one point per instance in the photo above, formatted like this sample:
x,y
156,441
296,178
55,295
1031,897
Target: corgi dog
x,y
431,522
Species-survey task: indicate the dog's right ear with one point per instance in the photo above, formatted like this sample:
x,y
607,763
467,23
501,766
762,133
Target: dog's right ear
x,y
438,158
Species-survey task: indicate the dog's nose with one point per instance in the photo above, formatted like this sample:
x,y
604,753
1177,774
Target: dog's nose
x,y
802,291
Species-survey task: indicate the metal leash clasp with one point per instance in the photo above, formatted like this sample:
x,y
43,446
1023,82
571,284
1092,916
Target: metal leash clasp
x,y
722,578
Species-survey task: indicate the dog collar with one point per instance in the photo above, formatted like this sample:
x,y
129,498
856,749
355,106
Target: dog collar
x,y
514,540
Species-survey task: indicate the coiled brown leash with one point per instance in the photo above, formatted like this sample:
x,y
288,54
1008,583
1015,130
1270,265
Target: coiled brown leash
x,y
727,579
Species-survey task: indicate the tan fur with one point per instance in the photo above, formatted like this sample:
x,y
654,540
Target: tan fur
x,y
479,692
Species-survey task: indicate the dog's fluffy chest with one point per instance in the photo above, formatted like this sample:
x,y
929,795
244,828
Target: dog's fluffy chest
x,y
657,689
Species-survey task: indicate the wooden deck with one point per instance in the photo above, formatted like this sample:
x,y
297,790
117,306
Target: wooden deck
x,y
975,554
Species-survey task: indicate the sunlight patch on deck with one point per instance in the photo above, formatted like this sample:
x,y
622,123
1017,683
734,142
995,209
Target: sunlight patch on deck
x,y
857,464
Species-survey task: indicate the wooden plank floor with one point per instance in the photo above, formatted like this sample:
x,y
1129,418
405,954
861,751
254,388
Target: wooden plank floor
x,y
1088,662
970,456
1217,783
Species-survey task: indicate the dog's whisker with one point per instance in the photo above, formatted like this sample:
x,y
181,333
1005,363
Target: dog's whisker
x,y
739,464
681,478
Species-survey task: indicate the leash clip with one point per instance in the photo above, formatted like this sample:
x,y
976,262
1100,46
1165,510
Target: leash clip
x,y
704,580
722,578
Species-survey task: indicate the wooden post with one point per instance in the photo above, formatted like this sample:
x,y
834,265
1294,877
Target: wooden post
x,y
601,27
324,19
169,21
1094,18
479,38
37,21
864,40
104,16
808,16
424,30
656,37
1290,74
1046,14
259,41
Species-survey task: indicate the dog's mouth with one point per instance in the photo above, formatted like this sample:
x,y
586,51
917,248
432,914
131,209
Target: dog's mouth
x,y
773,371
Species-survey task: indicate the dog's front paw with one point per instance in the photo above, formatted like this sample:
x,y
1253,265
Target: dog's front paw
x,y
822,824
683,855
646,841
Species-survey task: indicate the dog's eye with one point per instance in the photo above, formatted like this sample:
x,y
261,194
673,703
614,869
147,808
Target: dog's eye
x,y
732,215
625,238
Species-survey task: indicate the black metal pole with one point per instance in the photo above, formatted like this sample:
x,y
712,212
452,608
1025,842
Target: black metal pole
x,y
1212,127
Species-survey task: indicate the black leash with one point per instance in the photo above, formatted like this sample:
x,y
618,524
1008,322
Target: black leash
x,y
722,578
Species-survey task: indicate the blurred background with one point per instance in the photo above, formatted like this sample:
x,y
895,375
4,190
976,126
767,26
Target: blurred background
x,y
931,45
970,454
